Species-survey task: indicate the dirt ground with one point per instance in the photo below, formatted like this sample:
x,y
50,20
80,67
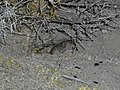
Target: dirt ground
x,y
96,68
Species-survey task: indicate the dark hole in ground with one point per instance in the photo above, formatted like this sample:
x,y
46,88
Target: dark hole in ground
x,y
75,76
95,82
101,62
77,67
96,64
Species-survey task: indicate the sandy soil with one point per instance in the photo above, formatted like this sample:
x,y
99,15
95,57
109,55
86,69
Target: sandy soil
x,y
96,67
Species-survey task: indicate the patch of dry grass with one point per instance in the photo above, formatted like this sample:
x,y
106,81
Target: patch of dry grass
x,y
26,75
87,88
